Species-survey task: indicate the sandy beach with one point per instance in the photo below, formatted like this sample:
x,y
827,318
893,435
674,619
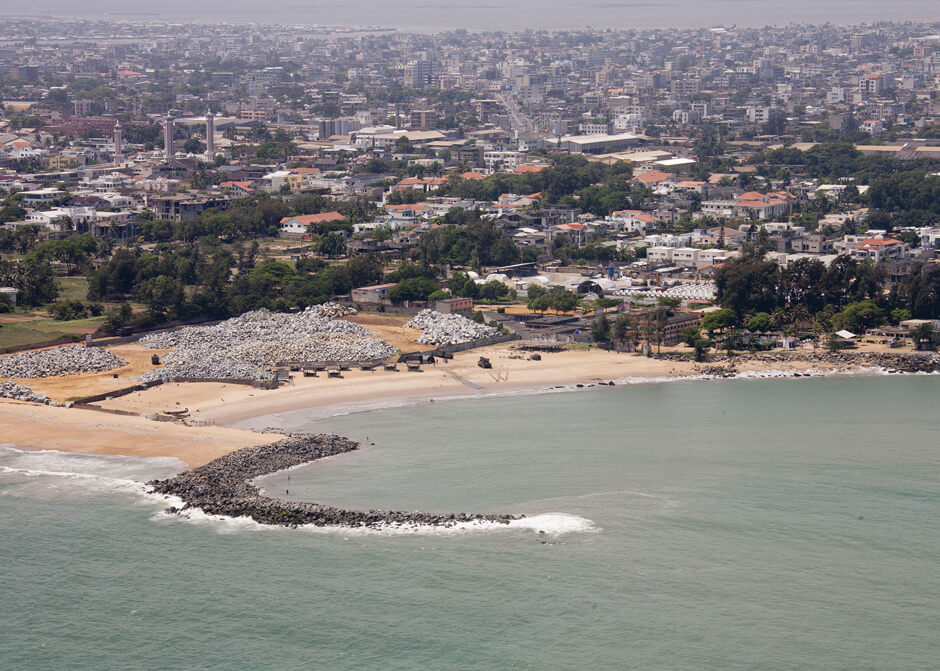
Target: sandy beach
x,y
40,427
225,416
229,404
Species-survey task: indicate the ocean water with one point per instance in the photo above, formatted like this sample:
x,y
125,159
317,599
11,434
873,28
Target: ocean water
x,y
750,524
507,15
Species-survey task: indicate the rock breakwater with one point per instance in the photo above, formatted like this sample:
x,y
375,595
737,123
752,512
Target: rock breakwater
x,y
224,487
723,365
59,361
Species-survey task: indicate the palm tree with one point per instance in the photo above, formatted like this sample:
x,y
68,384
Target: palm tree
x,y
654,327
623,327
778,318
800,315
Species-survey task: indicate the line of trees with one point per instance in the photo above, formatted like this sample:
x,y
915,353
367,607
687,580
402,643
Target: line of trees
x,y
186,282
847,294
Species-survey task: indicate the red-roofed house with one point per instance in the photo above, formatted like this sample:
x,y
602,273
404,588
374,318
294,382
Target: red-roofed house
x,y
652,178
426,184
409,210
529,168
756,205
238,188
880,249
475,176
633,221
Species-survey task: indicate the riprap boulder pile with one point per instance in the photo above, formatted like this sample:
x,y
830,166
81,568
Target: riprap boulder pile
x,y
224,487
20,393
448,329
246,347
59,361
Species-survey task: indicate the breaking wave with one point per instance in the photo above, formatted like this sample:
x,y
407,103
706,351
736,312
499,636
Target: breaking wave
x,y
549,524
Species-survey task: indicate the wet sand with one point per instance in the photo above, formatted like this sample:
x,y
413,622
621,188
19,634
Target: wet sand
x,y
40,427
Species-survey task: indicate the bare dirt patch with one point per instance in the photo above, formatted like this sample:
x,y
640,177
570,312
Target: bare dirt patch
x,y
65,387
391,329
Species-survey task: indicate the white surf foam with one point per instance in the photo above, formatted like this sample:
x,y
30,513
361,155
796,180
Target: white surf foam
x,y
550,524
51,473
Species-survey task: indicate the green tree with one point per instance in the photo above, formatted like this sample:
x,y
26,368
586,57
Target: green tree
x,y
760,322
600,328
702,345
34,277
623,328
331,244
494,289
690,335
924,337
533,291
563,300
117,317
161,294
858,316
412,289
719,320
899,315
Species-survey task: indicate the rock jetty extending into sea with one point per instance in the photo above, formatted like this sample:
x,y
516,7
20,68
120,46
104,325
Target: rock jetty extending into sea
x,y
224,487
897,362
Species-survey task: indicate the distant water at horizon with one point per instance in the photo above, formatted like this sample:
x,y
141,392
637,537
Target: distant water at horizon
x,y
719,526
509,15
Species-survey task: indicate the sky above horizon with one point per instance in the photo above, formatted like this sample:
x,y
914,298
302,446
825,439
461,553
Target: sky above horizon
x,y
424,15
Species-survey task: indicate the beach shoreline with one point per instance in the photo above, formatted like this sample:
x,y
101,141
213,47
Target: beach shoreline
x,y
225,417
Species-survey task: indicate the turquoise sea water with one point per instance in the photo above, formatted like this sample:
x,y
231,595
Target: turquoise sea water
x,y
776,524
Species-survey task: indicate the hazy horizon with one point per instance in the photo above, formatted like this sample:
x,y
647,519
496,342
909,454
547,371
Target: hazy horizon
x,y
423,15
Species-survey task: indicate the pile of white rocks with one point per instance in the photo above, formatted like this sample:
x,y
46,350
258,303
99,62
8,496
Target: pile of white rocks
x,y
684,291
448,329
252,326
59,361
246,347
11,390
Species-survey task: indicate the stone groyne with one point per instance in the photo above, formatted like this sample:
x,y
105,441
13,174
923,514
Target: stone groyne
x,y
901,362
224,487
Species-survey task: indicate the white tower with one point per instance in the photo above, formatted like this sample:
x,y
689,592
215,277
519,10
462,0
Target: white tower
x,y
118,140
168,132
210,135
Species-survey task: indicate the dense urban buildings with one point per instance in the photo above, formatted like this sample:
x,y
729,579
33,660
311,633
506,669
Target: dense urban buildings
x,y
636,158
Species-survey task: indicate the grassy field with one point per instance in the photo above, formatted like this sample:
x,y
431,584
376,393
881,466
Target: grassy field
x,y
72,288
39,330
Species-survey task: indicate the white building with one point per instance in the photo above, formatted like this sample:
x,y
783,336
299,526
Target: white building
x,y
659,254
502,161
41,196
273,181
686,256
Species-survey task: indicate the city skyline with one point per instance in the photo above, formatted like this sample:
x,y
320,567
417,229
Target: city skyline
x,y
420,15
